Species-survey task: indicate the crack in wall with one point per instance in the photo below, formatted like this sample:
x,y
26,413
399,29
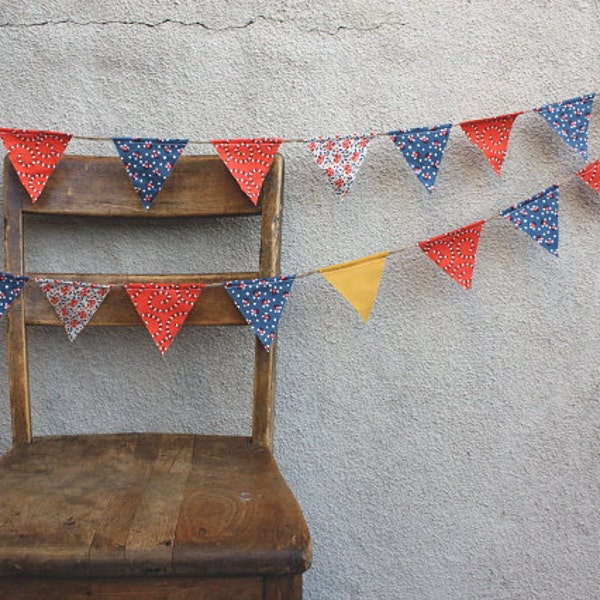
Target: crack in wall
x,y
250,23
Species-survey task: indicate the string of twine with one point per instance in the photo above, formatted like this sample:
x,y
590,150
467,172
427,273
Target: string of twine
x,y
367,258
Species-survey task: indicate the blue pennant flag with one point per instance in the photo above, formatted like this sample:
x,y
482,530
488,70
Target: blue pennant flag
x,y
149,162
261,303
423,149
11,287
538,218
571,119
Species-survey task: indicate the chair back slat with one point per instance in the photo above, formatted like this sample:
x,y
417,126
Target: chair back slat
x,y
98,187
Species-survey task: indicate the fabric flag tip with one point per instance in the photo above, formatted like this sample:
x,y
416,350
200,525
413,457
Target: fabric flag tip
x,y
423,148
340,157
455,252
163,308
491,136
75,303
149,162
249,161
11,287
34,155
538,218
358,281
571,119
261,303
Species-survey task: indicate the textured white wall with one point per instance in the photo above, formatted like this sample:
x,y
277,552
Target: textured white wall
x,y
448,449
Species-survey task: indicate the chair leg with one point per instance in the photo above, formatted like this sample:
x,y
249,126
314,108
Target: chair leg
x,y
286,587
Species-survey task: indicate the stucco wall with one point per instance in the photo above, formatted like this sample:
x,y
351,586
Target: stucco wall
x,y
449,448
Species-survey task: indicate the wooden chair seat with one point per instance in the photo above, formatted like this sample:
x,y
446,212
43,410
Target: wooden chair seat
x,y
147,504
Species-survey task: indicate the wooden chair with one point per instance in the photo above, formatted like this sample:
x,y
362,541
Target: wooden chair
x,y
145,515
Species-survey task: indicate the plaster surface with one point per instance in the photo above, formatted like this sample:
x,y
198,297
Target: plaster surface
x,y
449,448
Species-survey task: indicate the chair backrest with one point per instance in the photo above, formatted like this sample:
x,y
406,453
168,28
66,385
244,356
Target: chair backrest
x,y
83,186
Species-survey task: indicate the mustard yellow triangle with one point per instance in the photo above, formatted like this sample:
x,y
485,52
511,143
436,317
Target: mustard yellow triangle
x,y
358,281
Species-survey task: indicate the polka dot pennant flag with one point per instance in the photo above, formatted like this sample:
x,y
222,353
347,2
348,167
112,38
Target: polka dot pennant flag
x,y
538,218
261,303
591,175
34,155
340,157
163,307
570,119
11,287
149,162
491,137
423,149
455,252
358,281
75,303
249,161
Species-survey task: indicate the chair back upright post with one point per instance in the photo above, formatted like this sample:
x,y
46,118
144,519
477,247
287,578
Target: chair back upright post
x,y
200,186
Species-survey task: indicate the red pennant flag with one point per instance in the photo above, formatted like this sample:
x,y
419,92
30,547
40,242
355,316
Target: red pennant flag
x,y
455,252
163,307
249,161
34,155
591,175
491,136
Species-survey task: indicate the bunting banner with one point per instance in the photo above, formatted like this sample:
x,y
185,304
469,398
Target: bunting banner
x,y
163,307
11,287
340,157
591,175
34,155
358,281
75,303
538,218
491,137
455,252
149,162
249,161
423,149
261,303
570,119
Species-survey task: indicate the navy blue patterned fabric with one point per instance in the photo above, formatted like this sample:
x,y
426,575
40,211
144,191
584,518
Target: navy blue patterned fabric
x,y
538,218
261,302
149,162
571,119
11,287
423,149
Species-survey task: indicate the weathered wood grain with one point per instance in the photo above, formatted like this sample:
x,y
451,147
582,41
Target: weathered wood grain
x,y
147,504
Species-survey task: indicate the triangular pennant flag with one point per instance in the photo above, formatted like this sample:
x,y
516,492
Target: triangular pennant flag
x,y
423,149
261,303
34,155
570,119
538,218
358,281
149,162
249,161
74,302
591,175
163,307
455,252
491,136
340,157
11,287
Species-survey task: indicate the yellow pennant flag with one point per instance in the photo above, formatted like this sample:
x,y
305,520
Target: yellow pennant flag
x,y
358,281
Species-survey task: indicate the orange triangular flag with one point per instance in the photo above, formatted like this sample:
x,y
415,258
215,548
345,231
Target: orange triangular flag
x,y
591,175
163,307
249,161
455,252
34,155
358,281
491,136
